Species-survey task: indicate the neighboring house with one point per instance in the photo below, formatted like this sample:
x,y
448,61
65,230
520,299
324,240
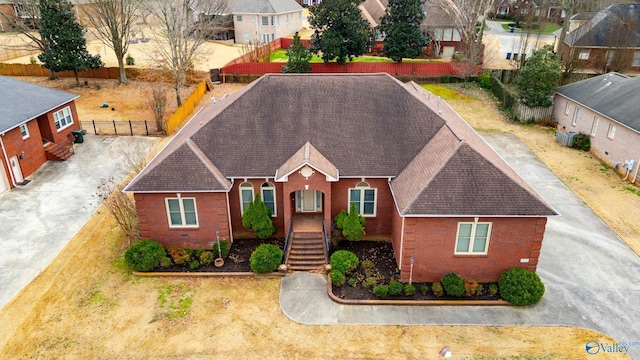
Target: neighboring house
x,y
35,126
605,41
543,10
17,11
264,20
606,107
418,173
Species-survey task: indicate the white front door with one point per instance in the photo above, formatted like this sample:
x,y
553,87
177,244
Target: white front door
x,y
15,168
4,185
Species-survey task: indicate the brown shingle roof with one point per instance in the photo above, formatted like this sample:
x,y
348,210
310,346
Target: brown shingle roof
x,y
307,155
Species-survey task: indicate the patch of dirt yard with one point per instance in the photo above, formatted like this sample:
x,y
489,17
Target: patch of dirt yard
x,y
87,305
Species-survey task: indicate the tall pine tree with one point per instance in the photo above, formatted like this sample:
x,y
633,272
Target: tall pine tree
x,y
67,45
340,32
401,25
299,57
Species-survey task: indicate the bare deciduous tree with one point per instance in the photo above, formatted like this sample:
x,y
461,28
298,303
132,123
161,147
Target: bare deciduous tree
x,y
157,101
121,206
256,51
183,26
111,21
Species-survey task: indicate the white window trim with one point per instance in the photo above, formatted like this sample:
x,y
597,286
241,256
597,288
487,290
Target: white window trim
x,y
239,18
253,194
586,54
182,214
576,113
636,59
360,186
594,126
26,130
62,116
275,202
611,132
473,238
567,108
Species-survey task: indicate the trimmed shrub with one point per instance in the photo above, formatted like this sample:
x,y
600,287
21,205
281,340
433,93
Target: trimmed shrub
x,y
381,290
224,248
395,288
409,289
194,264
437,289
493,289
453,284
337,278
582,142
266,258
520,286
352,282
470,287
370,282
165,262
351,223
196,253
144,255
206,258
180,256
484,80
479,289
368,267
344,261
424,289
257,217
340,219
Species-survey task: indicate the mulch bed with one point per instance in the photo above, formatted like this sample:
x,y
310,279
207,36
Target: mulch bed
x,y
381,254
236,261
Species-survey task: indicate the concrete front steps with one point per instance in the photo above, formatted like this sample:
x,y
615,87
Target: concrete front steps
x,y
56,152
306,252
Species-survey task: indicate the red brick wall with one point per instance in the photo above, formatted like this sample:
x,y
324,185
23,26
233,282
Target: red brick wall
x,y
47,125
432,240
14,145
212,216
236,217
317,181
378,227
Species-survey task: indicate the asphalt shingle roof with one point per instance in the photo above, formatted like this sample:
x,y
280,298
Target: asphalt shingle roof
x,y
614,95
263,6
616,26
21,101
351,125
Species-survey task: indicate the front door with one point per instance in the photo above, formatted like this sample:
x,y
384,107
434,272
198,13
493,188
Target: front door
x,y
308,201
3,179
15,168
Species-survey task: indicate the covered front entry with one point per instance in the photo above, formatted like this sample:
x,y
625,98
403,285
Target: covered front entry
x,y
308,201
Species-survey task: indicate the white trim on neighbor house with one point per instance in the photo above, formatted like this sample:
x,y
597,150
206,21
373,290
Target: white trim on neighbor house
x,y
63,118
472,238
584,54
187,210
366,207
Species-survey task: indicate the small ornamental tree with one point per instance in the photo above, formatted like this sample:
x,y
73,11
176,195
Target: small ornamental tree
x,y
299,57
538,77
257,217
351,223
401,25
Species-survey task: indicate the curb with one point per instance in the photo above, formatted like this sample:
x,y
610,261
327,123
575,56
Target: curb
x,y
273,275
333,297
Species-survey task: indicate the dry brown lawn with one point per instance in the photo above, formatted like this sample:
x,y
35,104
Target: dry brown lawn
x,y
86,304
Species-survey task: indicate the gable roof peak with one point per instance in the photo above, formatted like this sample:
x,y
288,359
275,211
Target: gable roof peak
x,y
307,155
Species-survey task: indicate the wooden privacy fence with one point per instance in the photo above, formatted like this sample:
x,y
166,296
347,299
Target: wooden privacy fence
x,y
533,114
121,127
180,115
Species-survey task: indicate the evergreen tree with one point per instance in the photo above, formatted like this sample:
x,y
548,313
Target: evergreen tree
x,y
401,25
538,77
340,32
67,46
299,57
257,217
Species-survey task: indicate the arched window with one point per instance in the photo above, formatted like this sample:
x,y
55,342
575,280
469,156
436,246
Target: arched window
x,y
268,191
246,196
364,197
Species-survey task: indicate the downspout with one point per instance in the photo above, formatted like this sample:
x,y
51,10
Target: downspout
x,y
636,173
229,215
401,244
6,160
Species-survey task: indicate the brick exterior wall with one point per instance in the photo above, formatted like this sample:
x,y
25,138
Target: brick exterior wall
x,y
236,215
251,25
625,145
317,181
47,126
431,241
598,58
212,216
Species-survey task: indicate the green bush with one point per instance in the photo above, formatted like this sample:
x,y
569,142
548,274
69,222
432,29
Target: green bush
x,y
180,256
344,261
206,258
266,258
520,286
368,267
493,289
395,288
479,289
381,290
257,217
437,289
582,142
165,262
144,255
352,282
351,223
409,289
337,278
424,289
370,282
340,219
194,264
224,248
453,284
196,253
484,80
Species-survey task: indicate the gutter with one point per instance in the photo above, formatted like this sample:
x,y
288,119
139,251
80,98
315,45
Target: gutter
x,y
6,159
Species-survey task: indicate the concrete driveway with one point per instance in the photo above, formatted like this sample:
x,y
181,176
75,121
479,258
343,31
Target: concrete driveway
x,y
500,42
592,278
39,219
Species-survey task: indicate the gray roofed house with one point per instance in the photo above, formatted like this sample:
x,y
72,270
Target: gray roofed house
x,y
413,167
36,125
264,20
606,107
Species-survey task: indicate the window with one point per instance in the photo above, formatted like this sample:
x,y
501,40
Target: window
x,y
269,197
473,238
24,130
567,107
63,118
611,132
246,196
181,212
272,20
610,55
239,18
265,38
636,59
584,55
575,117
246,37
273,37
287,18
365,199
265,20
594,126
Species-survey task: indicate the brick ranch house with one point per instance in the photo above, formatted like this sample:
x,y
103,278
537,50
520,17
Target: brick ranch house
x,y
414,168
36,125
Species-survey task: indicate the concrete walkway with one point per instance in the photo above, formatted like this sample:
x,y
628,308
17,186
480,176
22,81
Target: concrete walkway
x,y
592,278
37,220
